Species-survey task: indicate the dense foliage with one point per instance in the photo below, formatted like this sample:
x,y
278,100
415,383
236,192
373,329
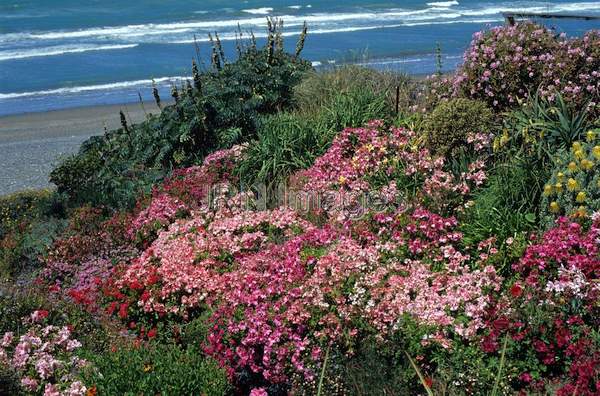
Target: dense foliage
x,y
221,107
448,126
337,247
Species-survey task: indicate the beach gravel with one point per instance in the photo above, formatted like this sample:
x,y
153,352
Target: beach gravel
x,y
31,144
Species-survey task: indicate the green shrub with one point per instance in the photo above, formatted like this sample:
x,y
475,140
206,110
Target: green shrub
x,y
449,124
220,109
156,370
27,205
542,127
506,207
29,222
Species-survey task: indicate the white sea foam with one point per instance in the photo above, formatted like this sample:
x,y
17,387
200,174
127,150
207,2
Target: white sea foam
x,y
59,50
90,88
443,4
259,11
166,32
348,29
295,7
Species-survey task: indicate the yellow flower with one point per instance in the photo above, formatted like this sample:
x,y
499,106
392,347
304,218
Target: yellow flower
x,y
554,208
560,176
581,211
579,154
342,180
370,147
590,136
576,146
572,166
572,184
147,368
558,187
586,164
548,190
580,197
596,152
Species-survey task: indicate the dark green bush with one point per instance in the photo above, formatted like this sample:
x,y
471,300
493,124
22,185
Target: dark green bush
x,y
10,384
543,127
449,124
220,109
156,369
29,223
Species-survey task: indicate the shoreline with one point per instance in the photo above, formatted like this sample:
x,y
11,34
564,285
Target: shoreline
x,y
78,121
32,143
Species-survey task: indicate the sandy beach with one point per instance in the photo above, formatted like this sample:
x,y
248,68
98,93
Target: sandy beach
x,y
30,144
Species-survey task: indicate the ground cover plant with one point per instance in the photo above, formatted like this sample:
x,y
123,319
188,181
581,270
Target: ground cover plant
x,y
340,247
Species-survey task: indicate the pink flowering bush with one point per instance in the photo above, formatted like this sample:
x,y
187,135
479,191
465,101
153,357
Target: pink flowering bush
x,y
506,64
44,358
280,289
375,165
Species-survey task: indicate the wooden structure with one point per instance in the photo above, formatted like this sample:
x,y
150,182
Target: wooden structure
x,y
511,17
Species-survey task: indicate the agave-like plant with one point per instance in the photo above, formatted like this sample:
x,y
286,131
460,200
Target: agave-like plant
x,y
549,124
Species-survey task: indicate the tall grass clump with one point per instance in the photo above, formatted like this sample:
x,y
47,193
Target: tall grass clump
x,y
287,142
319,89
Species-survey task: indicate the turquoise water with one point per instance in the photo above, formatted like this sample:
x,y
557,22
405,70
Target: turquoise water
x,y
62,53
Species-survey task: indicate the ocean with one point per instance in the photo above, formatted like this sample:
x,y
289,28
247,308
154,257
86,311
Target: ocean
x,y
57,54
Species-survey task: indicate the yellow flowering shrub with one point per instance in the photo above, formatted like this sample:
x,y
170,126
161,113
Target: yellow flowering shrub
x,y
574,187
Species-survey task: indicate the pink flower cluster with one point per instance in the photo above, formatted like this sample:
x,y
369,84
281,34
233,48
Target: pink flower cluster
x,y
44,358
162,210
362,161
506,64
565,261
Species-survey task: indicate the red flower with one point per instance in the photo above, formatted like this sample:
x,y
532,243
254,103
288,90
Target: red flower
x,y
136,285
525,377
123,310
145,296
501,324
563,336
111,308
489,344
152,333
516,290
540,346
428,382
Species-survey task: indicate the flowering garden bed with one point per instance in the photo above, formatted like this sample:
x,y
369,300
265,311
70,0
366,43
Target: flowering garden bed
x,y
389,266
